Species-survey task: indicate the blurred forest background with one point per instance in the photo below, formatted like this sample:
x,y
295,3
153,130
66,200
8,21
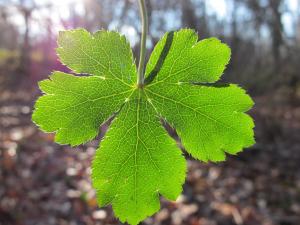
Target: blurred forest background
x,y
42,183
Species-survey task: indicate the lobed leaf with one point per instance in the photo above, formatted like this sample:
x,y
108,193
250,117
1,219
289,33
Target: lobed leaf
x,y
137,160
104,53
209,120
75,107
179,57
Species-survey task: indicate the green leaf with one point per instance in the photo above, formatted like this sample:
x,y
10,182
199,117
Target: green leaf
x,y
209,120
185,59
105,53
75,107
137,160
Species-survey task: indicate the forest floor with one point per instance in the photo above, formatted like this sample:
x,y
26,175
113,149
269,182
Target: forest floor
x,y
42,183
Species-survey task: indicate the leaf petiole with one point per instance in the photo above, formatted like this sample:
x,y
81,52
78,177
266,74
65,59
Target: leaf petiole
x,y
141,68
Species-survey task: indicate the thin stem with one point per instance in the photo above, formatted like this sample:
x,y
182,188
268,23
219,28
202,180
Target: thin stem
x,y
144,16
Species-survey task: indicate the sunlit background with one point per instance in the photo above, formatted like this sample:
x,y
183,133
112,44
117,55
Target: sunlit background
x,y
62,11
35,25
43,183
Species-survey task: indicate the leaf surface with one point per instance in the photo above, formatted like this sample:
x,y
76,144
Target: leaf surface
x,y
75,107
137,160
179,57
104,53
209,120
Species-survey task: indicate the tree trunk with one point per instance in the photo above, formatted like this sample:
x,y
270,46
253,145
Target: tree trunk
x,y
188,17
276,28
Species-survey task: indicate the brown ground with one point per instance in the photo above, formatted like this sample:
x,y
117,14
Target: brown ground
x,y
42,183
